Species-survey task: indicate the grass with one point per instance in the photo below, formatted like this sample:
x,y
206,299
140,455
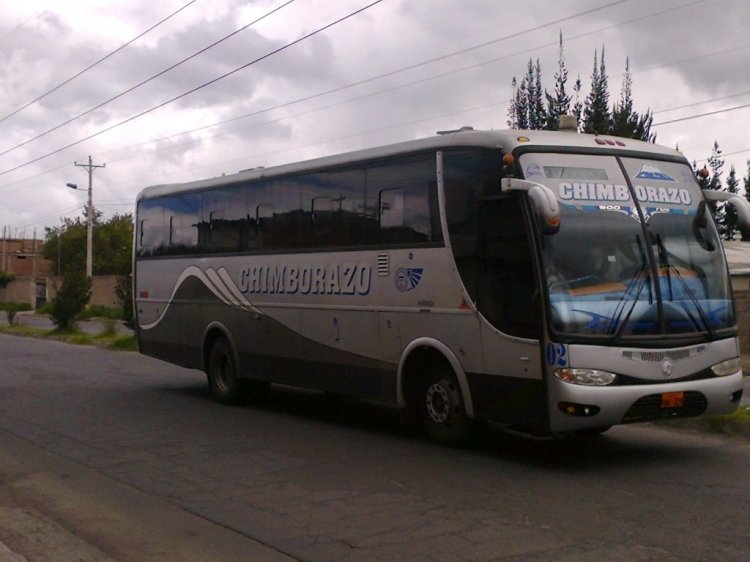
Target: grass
x,y
106,338
731,423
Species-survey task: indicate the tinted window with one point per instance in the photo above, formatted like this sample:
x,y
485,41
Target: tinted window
x,y
382,203
468,175
405,194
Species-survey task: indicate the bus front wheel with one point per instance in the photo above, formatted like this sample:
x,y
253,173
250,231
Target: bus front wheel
x,y
224,381
443,413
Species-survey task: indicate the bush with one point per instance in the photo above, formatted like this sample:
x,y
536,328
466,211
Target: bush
x,y
100,311
70,301
124,292
17,306
5,278
11,308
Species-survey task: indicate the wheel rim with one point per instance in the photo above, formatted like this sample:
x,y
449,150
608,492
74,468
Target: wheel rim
x,y
439,403
223,373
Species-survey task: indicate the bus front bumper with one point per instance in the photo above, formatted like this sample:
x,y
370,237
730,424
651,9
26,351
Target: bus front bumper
x,y
574,407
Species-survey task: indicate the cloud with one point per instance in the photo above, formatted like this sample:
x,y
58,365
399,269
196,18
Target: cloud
x,y
55,41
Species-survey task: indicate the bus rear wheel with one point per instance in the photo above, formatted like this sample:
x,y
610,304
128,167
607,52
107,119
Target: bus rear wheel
x,y
443,413
224,381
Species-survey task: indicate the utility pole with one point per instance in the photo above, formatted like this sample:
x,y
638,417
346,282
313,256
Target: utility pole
x,y
89,215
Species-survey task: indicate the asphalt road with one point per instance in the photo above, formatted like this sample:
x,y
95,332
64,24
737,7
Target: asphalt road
x,y
117,456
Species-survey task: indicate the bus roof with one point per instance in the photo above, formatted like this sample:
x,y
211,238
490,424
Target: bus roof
x,y
506,140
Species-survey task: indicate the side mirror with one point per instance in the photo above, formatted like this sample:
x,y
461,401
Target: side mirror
x,y
738,202
700,222
542,198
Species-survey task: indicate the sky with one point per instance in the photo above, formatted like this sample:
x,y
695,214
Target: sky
x,y
397,70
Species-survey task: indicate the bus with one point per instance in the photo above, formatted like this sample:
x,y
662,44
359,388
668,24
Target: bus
x,y
554,283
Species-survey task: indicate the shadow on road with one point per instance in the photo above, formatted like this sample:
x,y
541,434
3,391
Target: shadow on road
x,y
623,446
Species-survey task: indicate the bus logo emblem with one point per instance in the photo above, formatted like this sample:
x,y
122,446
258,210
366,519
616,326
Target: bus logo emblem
x,y
651,172
667,367
407,278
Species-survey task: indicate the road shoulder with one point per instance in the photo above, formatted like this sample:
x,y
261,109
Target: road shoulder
x,y
52,508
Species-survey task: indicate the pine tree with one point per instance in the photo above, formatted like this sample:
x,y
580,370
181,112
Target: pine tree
x,y
746,181
596,116
527,109
714,164
730,213
577,110
559,103
518,113
537,111
626,122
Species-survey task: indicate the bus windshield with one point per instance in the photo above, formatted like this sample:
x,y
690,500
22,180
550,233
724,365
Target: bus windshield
x,y
636,253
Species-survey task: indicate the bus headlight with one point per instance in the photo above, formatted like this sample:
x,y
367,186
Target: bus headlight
x,y
586,377
729,367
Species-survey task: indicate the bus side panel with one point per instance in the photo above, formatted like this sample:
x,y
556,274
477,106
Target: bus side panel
x,y
161,323
342,357
512,390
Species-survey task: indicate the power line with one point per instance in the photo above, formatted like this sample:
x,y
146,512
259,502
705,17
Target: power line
x,y
142,83
19,26
411,67
651,15
63,83
701,115
298,147
307,98
193,90
400,86
676,107
572,38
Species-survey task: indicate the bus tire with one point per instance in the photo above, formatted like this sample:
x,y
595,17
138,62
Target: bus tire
x,y
443,411
224,381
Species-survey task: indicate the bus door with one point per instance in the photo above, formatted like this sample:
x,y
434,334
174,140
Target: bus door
x,y
509,299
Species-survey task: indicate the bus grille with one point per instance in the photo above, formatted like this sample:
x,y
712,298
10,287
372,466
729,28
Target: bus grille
x,y
649,408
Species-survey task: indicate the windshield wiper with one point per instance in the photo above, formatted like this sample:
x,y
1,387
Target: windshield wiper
x,y
664,262
636,284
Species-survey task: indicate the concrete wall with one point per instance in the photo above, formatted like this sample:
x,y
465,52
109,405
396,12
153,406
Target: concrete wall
x,y
742,303
102,290
20,290
23,289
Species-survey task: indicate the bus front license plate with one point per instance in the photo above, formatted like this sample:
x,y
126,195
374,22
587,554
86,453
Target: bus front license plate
x,y
672,400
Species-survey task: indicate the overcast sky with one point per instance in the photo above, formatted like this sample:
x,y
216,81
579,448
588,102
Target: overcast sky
x,y
685,54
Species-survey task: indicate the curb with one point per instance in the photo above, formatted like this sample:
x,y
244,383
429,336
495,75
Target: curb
x,y
7,555
716,425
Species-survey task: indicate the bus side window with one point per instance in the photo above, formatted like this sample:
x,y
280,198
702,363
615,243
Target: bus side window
x,y
325,222
391,207
263,231
403,194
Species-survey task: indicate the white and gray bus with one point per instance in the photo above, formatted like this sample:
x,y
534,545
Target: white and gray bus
x,y
552,282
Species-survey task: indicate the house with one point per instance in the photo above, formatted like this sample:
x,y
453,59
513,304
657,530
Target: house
x,y
35,281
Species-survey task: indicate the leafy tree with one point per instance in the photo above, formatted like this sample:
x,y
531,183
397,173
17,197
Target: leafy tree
x,y
596,115
71,299
112,244
558,103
